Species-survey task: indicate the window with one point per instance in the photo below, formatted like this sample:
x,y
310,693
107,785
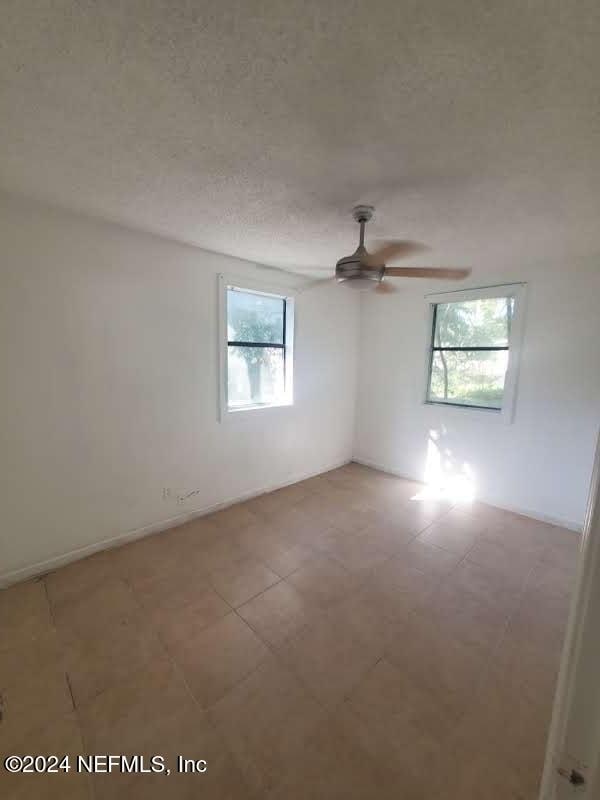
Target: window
x,y
472,350
259,358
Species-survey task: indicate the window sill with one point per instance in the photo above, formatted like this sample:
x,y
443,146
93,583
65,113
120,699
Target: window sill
x,y
494,415
236,410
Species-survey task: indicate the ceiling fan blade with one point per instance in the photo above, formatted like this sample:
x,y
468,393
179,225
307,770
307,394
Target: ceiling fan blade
x,y
441,273
385,288
314,284
391,250
290,273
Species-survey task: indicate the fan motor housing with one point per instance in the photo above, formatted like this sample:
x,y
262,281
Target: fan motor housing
x,y
350,270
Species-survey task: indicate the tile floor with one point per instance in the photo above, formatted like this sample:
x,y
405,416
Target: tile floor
x,y
334,639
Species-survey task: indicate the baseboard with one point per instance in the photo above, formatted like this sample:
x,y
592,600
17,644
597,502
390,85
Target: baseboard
x,y
525,512
43,567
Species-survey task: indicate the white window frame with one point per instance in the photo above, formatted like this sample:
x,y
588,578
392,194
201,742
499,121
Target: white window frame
x,y
514,290
225,282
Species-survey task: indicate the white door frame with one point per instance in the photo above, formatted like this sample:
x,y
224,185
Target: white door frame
x,y
574,740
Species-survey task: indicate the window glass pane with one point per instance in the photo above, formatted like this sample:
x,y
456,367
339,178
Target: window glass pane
x,y
474,323
254,317
474,378
255,376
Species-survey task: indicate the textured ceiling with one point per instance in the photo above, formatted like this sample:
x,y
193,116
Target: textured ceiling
x,y
251,128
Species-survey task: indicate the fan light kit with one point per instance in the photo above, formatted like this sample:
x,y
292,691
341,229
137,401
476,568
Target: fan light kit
x,y
364,270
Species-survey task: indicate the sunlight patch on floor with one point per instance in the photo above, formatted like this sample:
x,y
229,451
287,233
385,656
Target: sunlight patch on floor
x,y
446,478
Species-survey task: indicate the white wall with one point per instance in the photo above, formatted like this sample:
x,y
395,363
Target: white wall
x,y
541,464
108,363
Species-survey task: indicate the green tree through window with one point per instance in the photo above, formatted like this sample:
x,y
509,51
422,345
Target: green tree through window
x,y
256,337
469,352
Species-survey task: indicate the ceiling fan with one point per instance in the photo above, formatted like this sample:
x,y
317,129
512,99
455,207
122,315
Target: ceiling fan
x,y
364,270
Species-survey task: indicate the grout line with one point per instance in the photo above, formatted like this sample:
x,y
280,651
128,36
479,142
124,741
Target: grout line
x,y
68,680
316,615
50,606
258,594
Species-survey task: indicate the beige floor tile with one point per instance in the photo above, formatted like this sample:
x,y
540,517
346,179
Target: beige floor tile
x,y
418,512
67,584
400,723
192,534
355,517
439,662
219,552
322,581
488,515
177,549
117,719
540,620
100,660
286,497
60,736
324,538
188,734
518,536
343,477
218,657
171,590
526,669
251,537
559,538
176,625
24,614
239,582
284,559
428,558
27,657
329,659
367,615
510,724
480,775
334,766
266,505
353,552
343,497
501,717
105,604
562,548
502,560
387,535
31,699
401,588
277,613
552,579
275,546
466,616
390,491
460,519
297,526
381,621
449,536
266,537
233,518
315,485
491,587
150,558
319,507
265,721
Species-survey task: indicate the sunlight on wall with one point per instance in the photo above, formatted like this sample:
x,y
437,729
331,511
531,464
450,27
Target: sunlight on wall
x,y
446,477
